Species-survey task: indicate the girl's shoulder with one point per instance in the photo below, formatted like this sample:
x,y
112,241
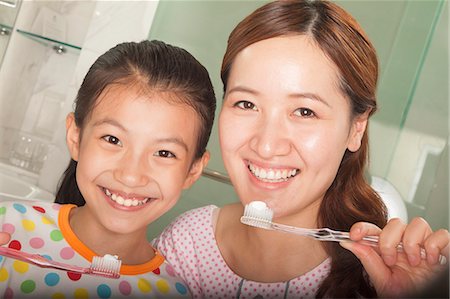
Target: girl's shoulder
x,y
29,207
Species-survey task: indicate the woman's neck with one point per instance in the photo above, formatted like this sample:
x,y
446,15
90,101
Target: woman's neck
x,y
250,251
133,249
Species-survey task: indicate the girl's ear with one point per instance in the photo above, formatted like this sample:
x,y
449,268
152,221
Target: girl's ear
x,y
196,170
72,136
359,126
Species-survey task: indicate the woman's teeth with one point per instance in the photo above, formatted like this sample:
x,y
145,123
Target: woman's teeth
x,y
272,175
126,202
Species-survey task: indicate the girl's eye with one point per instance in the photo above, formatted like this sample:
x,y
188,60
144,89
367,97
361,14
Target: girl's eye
x,y
165,154
304,112
245,105
112,139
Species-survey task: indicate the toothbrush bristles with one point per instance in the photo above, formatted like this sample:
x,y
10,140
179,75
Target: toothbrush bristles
x,y
107,265
257,214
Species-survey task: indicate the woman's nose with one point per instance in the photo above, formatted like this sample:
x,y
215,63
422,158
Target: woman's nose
x,y
132,170
270,139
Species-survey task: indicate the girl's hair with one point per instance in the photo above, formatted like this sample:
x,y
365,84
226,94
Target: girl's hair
x,y
155,66
349,198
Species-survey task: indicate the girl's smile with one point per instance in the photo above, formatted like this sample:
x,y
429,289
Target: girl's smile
x,y
135,156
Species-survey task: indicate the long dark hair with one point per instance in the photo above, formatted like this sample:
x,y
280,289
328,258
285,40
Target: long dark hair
x,y
156,65
349,198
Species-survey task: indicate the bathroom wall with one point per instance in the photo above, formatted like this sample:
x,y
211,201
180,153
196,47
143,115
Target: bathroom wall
x,y
38,85
409,133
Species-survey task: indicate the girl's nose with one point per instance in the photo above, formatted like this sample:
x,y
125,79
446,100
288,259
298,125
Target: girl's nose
x,y
132,171
270,139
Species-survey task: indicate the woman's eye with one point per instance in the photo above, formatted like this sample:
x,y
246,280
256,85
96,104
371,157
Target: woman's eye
x,y
165,154
245,105
112,139
304,112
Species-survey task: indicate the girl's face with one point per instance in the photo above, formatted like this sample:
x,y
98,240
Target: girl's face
x,y
285,126
134,157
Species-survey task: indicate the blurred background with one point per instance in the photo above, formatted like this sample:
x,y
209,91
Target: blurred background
x,y
46,48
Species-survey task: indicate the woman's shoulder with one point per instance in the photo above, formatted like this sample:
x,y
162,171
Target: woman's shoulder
x,y
194,219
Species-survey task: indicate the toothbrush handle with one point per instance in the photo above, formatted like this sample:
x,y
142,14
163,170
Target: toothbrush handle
x,y
327,234
39,260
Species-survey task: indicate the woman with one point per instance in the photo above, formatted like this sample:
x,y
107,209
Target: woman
x,y
299,80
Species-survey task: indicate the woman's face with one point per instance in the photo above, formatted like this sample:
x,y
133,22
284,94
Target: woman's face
x,y
285,125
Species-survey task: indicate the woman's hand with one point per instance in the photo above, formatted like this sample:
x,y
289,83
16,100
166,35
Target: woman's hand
x,y
4,238
396,273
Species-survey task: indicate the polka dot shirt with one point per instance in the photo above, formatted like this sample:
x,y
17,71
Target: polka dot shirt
x,y
43,228
190,247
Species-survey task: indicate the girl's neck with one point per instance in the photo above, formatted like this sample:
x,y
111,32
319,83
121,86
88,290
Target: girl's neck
x,y
132,249
249,251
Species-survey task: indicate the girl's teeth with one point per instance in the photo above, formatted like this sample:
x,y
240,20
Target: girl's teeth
x,y
125,202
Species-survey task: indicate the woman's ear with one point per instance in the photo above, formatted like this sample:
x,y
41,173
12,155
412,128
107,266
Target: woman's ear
x,y
72,136
196,170
359,126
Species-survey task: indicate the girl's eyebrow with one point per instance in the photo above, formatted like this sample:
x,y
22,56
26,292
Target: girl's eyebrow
x,y
174,140
307,95
109,121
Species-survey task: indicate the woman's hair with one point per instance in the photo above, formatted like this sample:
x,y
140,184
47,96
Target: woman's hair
x,y
156,67
349,198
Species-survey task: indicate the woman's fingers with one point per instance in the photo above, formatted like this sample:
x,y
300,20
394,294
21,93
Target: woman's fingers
x,y
414,237
372,262
389,237
437,245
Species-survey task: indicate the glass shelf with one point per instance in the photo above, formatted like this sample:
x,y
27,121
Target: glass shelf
x,y
58,46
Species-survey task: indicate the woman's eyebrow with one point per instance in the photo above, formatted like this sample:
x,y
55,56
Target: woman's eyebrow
x,y
311,96
295,95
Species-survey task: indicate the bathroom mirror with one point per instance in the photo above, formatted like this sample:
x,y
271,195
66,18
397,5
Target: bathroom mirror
x,y
8,14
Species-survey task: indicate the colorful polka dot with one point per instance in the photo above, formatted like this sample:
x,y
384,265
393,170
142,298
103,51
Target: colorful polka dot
x,y
181,288
20,266
103,291
8,228
144,285
74,276
3,274
14,244
20,208
9,293
39,209
157,271
58,296
36,242
28,286
170,270
51,279
67,253
162,286
56,235
2,210
125,288
47,220
28,225
81,294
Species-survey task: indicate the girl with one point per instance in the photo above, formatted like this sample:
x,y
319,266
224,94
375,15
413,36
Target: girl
x,y
299,80
137,138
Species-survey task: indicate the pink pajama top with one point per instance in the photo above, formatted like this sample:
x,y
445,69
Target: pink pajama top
x,y
190,247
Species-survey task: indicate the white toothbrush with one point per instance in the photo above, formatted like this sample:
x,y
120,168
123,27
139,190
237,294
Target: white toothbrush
x,y
258,214
106,266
